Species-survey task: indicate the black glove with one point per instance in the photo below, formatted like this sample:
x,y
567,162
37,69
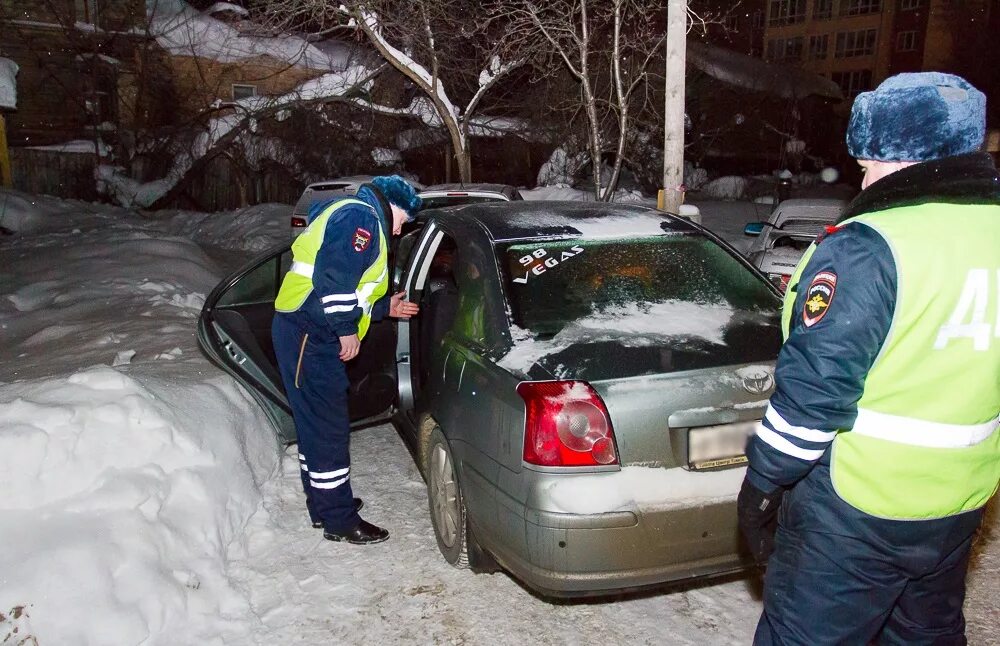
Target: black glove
x,y
758,518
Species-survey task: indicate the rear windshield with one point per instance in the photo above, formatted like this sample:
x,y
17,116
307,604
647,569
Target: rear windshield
x,y
678,291
456,200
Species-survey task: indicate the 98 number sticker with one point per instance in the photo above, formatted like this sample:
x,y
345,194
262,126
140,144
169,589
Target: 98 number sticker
x,y
539,261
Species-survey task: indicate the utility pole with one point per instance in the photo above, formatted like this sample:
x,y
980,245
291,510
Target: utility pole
x,y
672,193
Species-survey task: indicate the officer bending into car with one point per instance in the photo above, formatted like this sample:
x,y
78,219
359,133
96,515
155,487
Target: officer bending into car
x,y
880,444
336,286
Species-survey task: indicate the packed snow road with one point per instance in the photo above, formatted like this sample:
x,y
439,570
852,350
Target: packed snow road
x,y
145,499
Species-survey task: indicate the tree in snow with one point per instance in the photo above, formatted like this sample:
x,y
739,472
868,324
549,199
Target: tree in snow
x,y
248,134
611,52
448,49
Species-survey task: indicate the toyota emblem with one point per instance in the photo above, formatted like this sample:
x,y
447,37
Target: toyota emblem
x,y
758,383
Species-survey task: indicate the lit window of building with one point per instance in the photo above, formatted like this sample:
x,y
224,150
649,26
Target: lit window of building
x,y
859,7
243,91
910,5
906,41
785,49
785,12
856,43
853,83
818,46
823,9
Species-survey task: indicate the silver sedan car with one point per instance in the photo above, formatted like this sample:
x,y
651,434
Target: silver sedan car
x,y
577,389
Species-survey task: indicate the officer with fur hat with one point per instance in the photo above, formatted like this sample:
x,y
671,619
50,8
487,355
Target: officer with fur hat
x,y
335,287
880,446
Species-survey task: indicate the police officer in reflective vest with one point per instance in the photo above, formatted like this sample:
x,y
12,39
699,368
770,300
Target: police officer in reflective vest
x,y
335,287
880,444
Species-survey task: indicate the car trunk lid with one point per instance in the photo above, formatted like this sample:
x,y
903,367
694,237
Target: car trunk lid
x,y
697,419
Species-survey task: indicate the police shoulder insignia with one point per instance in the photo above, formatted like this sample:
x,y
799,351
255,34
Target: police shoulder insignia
x,y
361,239
819,296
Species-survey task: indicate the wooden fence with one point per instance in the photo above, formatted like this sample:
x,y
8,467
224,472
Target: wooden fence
x,y
222,186
56,173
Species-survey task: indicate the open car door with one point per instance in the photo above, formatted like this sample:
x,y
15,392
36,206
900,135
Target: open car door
x,y
234,331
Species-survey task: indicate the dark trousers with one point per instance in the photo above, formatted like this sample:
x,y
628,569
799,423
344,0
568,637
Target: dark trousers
x,y
316,386
838,576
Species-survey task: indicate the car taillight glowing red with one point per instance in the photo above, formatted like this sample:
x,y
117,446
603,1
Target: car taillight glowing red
x,y
298,222
566,424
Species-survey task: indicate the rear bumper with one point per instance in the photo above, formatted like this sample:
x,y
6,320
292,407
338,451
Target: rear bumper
x,y
632,546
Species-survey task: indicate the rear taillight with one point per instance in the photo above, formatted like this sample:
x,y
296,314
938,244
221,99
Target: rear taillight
x,y
566,424
298,223
780,280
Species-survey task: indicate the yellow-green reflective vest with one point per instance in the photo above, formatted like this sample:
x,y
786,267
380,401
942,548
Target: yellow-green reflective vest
x,y
298,283
925,443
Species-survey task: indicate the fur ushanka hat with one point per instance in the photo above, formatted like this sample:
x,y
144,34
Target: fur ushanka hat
x,y
917,118
398,191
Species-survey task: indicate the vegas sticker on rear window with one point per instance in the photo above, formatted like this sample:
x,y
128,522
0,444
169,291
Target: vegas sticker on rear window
x,y
540,261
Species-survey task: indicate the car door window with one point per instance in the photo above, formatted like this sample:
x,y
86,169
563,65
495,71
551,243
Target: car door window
x,y
260,285
404,251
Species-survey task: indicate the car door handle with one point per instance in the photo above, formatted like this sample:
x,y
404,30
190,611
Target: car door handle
x,y
236,356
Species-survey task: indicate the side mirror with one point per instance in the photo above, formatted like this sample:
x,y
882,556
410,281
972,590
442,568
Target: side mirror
x,y
754,228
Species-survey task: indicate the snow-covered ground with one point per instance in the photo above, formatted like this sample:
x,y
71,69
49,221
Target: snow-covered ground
x,y
145,499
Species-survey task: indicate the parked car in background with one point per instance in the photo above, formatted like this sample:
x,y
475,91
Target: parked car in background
x,y
577,389
321,192
440,195
788,232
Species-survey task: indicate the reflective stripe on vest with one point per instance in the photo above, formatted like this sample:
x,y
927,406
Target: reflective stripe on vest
x,y
920,432
302,268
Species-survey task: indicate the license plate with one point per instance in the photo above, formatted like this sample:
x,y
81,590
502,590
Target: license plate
x,y
713,447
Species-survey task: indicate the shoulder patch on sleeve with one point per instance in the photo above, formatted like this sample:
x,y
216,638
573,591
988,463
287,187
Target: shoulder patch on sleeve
x,y
361,239
819,297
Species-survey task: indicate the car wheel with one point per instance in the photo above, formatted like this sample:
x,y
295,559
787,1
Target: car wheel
x,y
446,503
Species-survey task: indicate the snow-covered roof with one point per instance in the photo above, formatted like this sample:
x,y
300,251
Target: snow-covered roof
x,y
223,7
758,75
8,83
182,30
76,146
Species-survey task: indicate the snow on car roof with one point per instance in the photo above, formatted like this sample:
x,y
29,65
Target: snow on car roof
x,y
525,220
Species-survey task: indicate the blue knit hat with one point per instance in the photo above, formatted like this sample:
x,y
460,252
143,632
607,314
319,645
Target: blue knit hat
x,y
917,117
398,191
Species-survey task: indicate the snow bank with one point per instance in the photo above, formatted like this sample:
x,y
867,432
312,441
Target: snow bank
x,y
26,212
8,83
725,188
254,228
126,489
120,510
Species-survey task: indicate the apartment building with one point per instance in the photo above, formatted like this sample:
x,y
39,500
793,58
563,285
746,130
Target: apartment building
x,y
858,43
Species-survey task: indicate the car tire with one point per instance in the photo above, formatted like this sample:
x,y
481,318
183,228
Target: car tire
x,y
447,506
